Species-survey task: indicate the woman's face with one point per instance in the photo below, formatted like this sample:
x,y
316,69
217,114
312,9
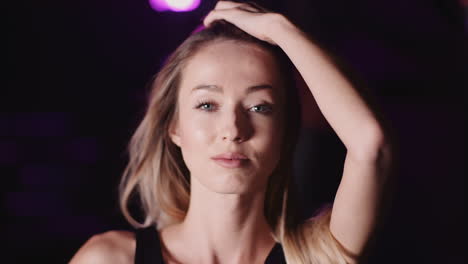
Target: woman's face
x,y
230,90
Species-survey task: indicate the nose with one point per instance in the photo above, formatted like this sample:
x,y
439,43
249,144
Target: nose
x,y
236,126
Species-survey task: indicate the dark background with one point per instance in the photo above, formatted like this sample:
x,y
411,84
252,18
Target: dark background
x,y
76,86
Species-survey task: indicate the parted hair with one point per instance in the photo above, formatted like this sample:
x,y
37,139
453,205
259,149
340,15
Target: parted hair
x,y
158,177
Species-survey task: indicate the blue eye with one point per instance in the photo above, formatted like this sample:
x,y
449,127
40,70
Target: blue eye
x,y
210,107
201,105
263,108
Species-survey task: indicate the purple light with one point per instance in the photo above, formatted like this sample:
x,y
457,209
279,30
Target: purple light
x,y
174,5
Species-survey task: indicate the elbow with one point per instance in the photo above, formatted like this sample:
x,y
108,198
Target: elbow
x,y
376,147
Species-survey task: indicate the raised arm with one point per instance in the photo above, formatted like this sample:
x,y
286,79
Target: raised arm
x,y
367,160
356,203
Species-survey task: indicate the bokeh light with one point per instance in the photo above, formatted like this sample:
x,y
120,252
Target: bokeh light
x,y
174,5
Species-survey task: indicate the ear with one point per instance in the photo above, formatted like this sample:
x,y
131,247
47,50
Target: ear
x,y
174,133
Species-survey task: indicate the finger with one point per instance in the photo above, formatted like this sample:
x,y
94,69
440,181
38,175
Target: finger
x,y
226,4
248,6
257,6
213,15
226,14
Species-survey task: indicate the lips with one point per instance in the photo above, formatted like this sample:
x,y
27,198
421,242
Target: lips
x,y
231,156
231,160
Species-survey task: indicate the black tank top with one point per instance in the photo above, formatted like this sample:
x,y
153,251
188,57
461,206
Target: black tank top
x,y
148,248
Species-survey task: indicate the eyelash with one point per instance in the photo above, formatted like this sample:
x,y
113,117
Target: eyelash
x,y
268,106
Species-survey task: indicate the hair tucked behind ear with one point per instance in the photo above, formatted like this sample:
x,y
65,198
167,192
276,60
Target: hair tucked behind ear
x,y
157,173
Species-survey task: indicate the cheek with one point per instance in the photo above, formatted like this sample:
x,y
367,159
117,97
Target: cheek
x,y
196,134
268,131
195,130
200,135
205,128
272,137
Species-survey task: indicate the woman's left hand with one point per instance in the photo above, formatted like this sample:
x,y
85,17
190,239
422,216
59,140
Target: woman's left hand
x,y
250,17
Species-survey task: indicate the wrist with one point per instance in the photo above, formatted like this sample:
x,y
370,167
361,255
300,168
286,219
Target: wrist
x,y
280,28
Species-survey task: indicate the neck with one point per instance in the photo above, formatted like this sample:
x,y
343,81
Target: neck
x,y
229,225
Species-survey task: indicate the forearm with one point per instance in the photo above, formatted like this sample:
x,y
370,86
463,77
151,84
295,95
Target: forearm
x,y
340,103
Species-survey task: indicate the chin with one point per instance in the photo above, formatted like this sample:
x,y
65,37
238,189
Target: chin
x,y
225,184
227,187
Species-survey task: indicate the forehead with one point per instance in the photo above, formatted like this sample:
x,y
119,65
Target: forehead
x,y
231,64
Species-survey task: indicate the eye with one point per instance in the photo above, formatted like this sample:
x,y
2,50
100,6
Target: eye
x,y
263,108
205,105
210,106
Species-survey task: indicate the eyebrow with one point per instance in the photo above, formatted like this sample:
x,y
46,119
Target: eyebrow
x,y
218,89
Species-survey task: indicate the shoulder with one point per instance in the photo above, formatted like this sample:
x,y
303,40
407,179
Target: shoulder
x,y
108,247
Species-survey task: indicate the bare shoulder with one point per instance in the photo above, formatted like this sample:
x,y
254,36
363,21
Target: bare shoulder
x,y
108,247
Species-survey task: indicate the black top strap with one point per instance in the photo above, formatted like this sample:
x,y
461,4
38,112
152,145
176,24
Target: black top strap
x,y
148,248
276,255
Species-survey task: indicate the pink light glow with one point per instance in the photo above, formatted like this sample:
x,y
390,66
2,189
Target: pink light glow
x,y
174,5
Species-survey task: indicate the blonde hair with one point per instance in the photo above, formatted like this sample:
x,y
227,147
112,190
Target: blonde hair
x,y
157,173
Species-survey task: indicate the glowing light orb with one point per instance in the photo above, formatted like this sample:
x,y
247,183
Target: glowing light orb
x,y
174,5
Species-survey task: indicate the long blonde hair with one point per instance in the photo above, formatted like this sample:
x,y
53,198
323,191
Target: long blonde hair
x,y
157,173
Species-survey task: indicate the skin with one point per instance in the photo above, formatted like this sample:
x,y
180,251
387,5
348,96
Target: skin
x,y
238,229
238,225
369,154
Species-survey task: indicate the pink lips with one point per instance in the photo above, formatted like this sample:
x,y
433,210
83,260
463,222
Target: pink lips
x,y
231,159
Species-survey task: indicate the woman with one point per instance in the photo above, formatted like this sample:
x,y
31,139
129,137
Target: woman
x,y
211,160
